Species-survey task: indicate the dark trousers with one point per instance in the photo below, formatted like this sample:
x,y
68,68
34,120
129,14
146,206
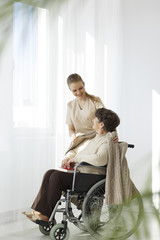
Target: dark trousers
x,y
54,182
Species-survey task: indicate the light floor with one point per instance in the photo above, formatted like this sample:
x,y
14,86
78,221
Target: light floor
x,y
27,230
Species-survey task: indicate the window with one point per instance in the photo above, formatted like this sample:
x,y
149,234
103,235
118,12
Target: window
x,y
30,75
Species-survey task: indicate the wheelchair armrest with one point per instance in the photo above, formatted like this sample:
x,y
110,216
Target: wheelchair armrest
x,y
90,165
85,163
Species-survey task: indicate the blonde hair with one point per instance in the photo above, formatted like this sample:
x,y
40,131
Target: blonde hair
x,y
74,78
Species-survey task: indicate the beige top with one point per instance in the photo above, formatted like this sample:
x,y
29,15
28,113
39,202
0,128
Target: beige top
x,y
81,119
72,153
93,151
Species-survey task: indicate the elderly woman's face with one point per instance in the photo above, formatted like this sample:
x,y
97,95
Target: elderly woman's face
x,y
77,89
96,124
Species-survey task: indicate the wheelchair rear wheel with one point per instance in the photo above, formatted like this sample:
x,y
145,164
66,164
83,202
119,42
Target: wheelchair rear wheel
x,y
110,221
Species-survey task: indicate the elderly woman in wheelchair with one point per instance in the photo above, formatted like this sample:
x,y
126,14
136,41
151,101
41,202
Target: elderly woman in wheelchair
x,y
106,202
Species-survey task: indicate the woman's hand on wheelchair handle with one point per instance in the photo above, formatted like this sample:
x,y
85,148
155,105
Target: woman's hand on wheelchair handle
x,y
73,137
115,139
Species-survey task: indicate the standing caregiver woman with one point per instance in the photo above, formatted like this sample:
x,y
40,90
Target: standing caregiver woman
x,y
81,110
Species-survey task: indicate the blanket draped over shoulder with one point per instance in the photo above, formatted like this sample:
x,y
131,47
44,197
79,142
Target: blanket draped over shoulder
x,y
80,139
119,188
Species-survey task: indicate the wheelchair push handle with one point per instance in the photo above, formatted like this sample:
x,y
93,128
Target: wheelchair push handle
x,y
130,145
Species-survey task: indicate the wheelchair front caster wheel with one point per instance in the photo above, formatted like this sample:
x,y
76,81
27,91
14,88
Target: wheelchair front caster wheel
x,y
57,232
46,229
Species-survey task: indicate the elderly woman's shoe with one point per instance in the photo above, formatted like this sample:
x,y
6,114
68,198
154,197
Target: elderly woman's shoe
x,y
39,217
29,214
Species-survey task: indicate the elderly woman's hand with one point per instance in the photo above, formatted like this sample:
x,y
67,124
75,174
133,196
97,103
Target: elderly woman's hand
x,y
64,162
70,163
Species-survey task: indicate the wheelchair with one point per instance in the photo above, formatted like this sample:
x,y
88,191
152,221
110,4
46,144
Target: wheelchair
x,y
84,206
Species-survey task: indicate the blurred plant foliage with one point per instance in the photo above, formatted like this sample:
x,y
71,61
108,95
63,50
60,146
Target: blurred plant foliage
x,y
6,17
125,222
151,217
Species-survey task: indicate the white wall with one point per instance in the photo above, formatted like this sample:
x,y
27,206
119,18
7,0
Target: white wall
x,y
131,31
141,71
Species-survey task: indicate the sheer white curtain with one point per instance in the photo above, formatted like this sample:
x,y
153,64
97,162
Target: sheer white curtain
x,y
86,37
27,142
49,41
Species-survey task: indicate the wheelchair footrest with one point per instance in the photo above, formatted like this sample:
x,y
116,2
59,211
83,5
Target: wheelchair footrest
x,y
42,223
